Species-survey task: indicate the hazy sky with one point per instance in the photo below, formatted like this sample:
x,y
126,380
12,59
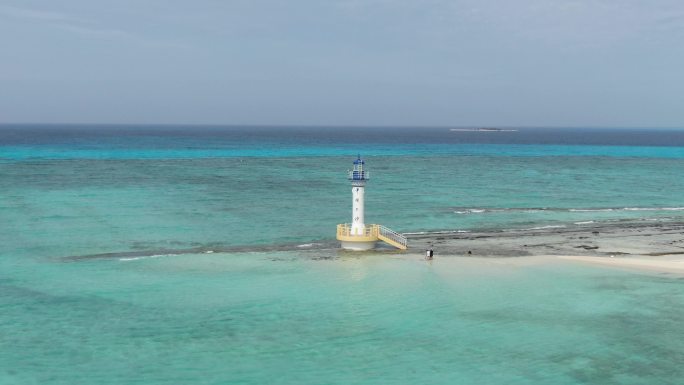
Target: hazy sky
x,y
341,62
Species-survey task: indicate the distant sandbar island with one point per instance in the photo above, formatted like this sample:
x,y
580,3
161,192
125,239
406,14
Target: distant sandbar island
x,y
484,129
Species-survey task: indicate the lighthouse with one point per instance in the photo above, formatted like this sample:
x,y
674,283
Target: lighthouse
x,y
358,178
357,236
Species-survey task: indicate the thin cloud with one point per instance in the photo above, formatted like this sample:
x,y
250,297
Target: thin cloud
x,y
77,25
33,14
60,20
95,32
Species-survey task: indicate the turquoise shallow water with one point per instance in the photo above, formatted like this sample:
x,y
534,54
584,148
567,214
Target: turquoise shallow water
x,y
94,206
319,316
286,318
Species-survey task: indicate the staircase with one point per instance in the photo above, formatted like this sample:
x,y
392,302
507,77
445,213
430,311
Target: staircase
x,y
372,233
391,237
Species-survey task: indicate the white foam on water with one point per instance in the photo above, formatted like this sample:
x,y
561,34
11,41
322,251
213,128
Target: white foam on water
x,y
584,222
578,210
546,227
306,245
653,208
629,209
143,257
437,232
590,210
663,219
472,211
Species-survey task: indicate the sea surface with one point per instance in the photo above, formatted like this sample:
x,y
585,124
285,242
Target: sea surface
x,y
206,255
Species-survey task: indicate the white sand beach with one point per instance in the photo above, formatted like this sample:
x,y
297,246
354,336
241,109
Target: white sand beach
x,y
662,264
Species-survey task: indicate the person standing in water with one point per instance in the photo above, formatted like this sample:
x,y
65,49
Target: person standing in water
x,y
428,254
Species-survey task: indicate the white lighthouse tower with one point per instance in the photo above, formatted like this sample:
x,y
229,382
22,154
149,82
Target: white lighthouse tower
x,y
358,236
358,177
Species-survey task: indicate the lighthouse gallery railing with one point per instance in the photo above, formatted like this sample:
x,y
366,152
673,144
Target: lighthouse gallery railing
x,y
359,175
344,230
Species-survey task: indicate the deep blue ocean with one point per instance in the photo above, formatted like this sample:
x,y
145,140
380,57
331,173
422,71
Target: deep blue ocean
x,y
187,254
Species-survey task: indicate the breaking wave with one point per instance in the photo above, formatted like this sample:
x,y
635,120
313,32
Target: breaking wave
x,y
145,257
468,211
437,232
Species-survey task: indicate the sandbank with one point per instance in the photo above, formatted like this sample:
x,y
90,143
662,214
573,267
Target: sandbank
x,y
648,247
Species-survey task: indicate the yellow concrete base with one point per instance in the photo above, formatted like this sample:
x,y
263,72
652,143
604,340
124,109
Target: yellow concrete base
x,y
349,241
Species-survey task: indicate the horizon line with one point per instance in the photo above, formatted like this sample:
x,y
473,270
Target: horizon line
x,y
260,125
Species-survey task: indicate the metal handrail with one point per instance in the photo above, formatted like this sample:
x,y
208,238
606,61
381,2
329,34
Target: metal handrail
x,y
393,235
